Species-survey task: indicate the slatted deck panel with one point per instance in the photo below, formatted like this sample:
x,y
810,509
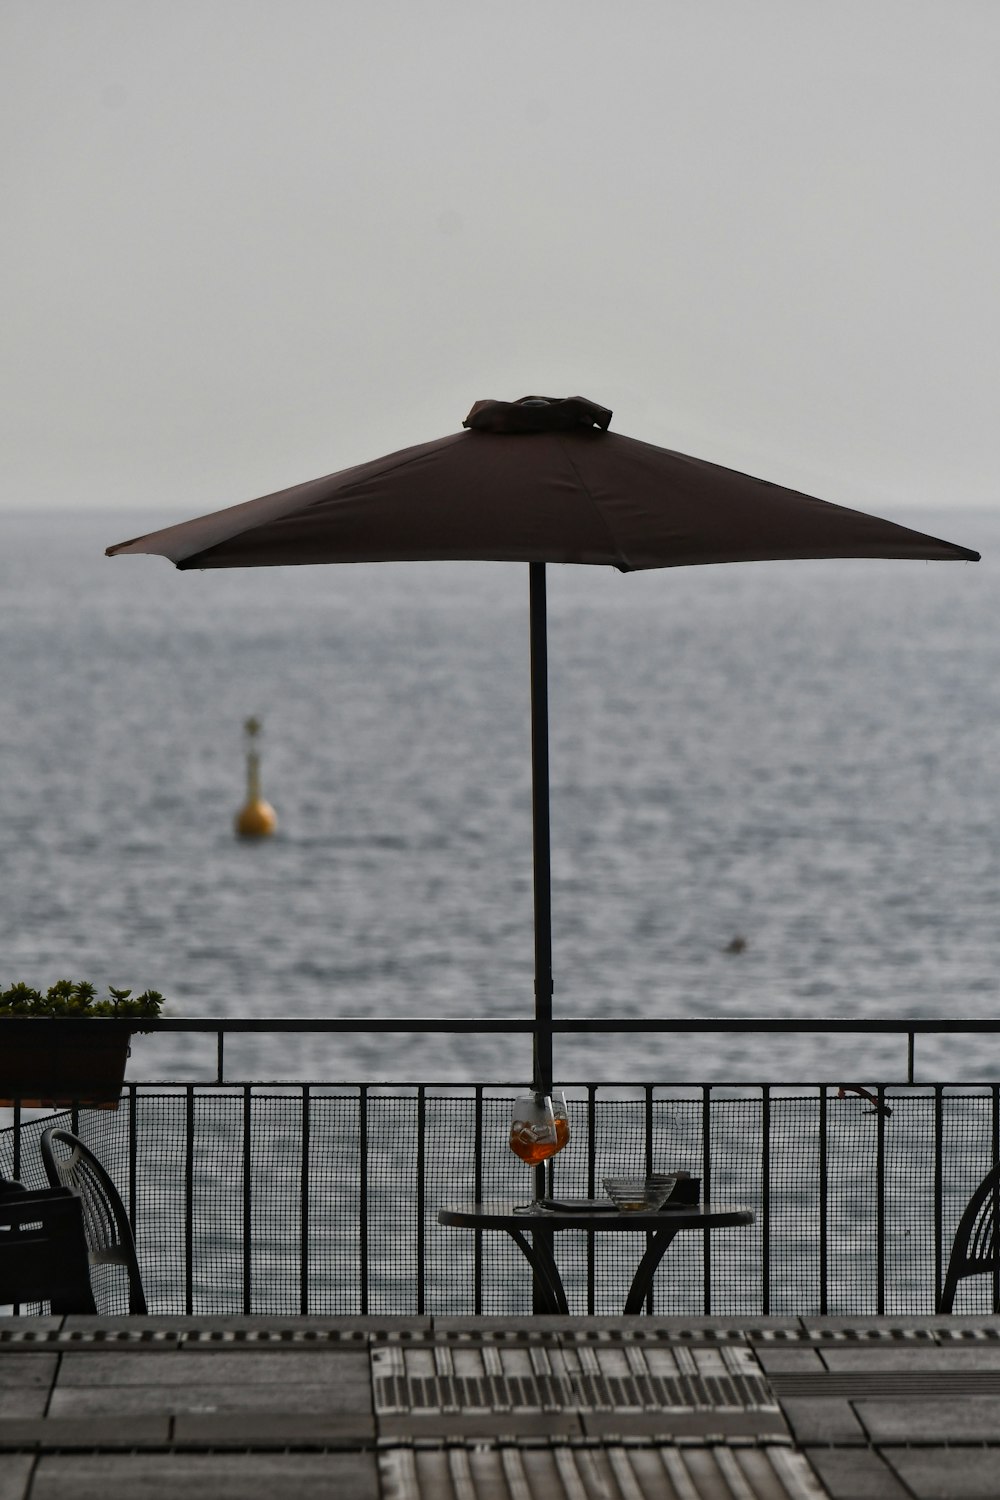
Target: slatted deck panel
x,y
574,1473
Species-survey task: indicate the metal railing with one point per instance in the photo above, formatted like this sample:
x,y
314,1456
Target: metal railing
x,y
542,1032
313,1197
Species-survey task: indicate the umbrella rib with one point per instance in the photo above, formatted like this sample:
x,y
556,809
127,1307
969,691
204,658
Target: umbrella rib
x,y
624,564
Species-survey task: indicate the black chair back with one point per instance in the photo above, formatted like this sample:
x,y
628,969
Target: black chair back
x,y
976,1250
43,1251
69,1163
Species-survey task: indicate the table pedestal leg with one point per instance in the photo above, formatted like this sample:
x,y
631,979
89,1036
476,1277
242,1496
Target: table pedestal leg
x,y
539,1257
643,1278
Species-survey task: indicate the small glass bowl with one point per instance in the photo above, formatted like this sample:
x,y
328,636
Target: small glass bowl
x,y
638,1195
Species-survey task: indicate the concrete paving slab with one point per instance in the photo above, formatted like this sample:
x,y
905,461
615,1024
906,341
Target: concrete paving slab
x,y
28,1369
345,1370
23,1404
932,1419
948,1473
856,1474
316,1400
272,1430
775,1358
120,1431
15,1475
823,1420
205,1476
912,1357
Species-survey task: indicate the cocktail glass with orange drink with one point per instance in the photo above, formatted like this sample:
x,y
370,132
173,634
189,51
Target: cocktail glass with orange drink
x,y
533,1135
539,1128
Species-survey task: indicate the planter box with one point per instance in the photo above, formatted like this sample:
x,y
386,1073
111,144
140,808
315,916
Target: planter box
x,y
60,1061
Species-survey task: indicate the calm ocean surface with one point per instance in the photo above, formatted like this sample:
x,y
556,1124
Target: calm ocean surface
x,y
804,754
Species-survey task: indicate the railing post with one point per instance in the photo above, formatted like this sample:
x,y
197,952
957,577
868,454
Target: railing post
x,y
765,1198
133,1151
994,1205
363,1191
421,1193
648,1158
880,1202
477,1190
304,1202
189,1200
591,1188
823,1207
247,1199
938,1194
706,1188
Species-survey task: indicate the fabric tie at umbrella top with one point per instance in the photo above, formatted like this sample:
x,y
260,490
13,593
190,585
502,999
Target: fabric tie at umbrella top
x,y
538,480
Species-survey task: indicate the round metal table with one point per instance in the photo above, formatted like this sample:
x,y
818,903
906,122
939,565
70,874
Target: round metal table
x,y
543,1223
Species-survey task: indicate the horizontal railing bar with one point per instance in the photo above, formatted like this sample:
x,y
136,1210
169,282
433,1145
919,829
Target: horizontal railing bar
x,y
495,1025
779,1089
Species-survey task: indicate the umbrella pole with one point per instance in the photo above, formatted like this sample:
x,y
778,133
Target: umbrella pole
x,y
540,829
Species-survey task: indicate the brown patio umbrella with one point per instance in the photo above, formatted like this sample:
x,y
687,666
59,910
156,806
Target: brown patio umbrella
x,y
538,480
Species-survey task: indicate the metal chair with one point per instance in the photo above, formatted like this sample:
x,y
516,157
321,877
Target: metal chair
x,y
43,1250
976,1249
69,1163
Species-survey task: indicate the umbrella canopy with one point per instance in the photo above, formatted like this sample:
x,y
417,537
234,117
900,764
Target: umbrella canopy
x,y
534,483
538,480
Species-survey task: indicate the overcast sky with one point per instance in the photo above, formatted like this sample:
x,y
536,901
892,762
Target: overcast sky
x,y
247,242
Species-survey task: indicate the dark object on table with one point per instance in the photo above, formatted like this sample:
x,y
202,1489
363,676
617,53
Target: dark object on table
x,y
69,1163
686,1192
976,1249
578,1205
43,1251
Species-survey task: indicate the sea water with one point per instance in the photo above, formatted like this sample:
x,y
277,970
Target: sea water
x,y
775,792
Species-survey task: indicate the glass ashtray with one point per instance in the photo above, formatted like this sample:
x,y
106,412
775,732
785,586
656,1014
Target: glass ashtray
x,y
639,1195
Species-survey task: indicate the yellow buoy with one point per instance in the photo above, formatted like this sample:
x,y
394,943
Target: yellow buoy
x,y
257,818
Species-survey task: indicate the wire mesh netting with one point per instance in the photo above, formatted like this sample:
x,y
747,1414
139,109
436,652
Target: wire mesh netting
x,y
324,1198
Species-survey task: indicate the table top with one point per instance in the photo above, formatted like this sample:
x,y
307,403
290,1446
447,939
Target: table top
x,y
502,1214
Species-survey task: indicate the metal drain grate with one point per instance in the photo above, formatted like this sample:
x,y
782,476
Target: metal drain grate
x,y
56,1338
587,1379
852,1385
906,1335
277,1338
768,1472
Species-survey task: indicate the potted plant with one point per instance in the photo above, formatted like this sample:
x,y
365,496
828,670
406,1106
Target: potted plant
x,y
65,1046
